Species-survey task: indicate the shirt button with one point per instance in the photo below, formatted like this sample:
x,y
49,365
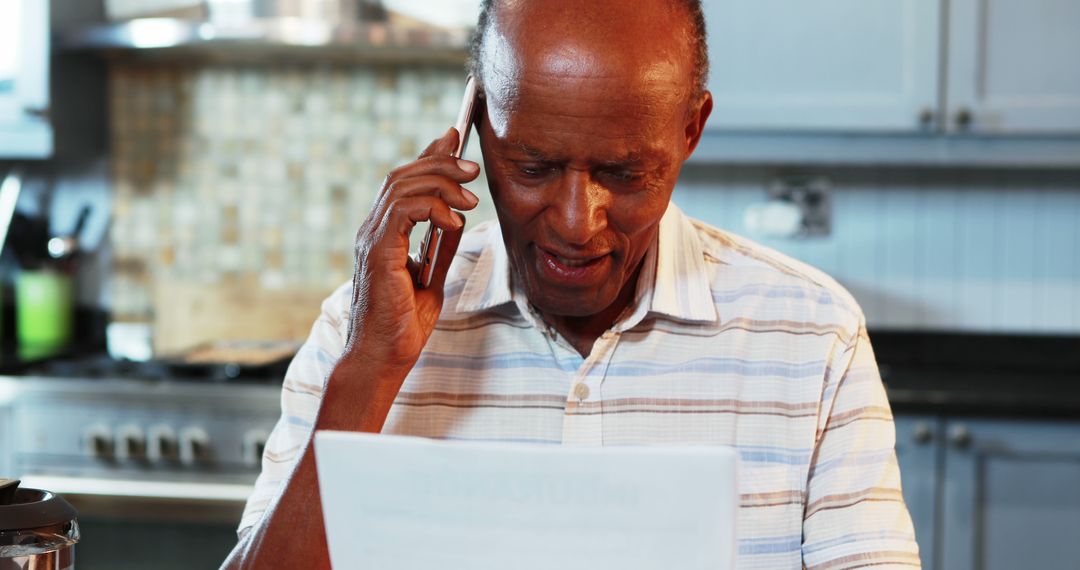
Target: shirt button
x,y
581,391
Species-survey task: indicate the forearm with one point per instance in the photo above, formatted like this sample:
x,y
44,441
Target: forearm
x,y
291,532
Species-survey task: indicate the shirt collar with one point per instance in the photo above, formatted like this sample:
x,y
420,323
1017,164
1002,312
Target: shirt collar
x,y
674,281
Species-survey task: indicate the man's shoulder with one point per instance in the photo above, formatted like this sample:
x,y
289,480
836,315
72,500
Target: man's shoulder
x,y
743,267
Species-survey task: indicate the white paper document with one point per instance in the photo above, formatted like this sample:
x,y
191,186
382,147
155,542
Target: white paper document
x,y
402,503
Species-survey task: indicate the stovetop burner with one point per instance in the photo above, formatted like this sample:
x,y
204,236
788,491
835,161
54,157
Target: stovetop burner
x,y
105,367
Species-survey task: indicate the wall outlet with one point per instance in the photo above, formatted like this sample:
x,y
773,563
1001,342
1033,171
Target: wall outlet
x,y
811,195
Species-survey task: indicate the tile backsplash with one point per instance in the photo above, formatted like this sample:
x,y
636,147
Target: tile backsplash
x,y
253,180
934,249
258,177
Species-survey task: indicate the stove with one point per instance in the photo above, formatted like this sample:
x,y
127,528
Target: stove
x,y
112,435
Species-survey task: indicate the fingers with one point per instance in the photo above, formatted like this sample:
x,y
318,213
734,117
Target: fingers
x,y
456,169
405,213
435,175
432,185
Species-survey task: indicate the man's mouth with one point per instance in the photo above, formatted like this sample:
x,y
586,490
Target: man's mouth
x,y
574,262
572,269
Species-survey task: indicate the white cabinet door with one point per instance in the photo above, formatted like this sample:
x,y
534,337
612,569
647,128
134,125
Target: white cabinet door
x,y
24,79
1014,66
829,65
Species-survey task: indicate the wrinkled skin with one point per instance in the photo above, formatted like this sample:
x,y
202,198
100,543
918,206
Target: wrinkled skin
x,y
589,114
583,140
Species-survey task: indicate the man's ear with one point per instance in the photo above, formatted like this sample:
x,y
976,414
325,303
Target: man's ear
x,y
695,121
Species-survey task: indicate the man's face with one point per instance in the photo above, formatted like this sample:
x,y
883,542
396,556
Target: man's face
x,y
582,149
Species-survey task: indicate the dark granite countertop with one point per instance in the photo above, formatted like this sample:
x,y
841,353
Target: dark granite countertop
x,y
924,372
976,374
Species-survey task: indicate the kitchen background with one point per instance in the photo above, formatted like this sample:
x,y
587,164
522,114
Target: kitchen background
x,y
926,153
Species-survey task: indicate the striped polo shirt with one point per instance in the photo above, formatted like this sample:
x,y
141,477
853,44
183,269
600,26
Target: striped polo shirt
x,y
727,343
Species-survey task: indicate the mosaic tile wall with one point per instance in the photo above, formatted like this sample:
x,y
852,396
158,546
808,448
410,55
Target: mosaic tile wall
x,y
259,175
255,179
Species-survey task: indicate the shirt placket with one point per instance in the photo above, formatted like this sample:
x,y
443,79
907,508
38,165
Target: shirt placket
x,y
583,419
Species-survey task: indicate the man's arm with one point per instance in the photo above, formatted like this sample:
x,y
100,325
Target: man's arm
x,y
855,514
290,533
389,322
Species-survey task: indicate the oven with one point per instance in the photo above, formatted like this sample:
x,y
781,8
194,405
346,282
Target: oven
x,y
159,470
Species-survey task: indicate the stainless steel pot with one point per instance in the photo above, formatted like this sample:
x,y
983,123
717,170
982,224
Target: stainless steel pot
x,y
38,529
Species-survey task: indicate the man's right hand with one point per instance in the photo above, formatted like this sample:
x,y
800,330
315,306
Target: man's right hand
x,y
391,319
390,323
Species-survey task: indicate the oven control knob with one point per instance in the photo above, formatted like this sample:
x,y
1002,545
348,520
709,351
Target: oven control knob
x,y
98,441
253,446
163,444
194,446
130,443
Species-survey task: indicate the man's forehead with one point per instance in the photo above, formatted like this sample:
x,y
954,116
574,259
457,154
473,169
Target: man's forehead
x,y
610,156
598,39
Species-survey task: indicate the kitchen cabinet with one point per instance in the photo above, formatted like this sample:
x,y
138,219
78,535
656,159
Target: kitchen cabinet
x,y
850,65
917,450
1012,67
992,494
1011,497
24,79
875,66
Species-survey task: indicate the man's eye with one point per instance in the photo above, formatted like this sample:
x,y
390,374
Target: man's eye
x,y
533,170
622,175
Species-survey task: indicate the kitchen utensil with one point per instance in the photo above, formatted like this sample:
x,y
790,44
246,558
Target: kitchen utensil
x,y
43,312
38,529
64,247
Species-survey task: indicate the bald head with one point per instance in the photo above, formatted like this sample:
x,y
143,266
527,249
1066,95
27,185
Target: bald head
x,y
662,40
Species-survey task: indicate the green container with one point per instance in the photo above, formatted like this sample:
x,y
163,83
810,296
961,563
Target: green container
x,y
43,313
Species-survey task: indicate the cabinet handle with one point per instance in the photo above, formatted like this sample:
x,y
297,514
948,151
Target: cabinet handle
x,y
926,116
964,118
40,113
923,433
960,436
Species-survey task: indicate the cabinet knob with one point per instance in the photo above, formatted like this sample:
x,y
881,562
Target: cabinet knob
x,y
99,442
926,116
163,445
254,445
923,433
964,118
960,436
130,443
194,446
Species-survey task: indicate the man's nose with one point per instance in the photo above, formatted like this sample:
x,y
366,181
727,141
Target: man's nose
x,y
580,209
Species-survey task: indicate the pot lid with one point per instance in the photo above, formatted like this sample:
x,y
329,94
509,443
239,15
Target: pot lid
x,y
31,508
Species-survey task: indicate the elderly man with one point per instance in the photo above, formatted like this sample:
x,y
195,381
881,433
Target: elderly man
x,y
595,312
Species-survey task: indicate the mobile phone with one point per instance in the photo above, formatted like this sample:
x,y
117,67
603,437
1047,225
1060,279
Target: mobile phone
x,y
431,248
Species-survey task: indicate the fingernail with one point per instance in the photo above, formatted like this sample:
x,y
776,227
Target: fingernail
x,y
460,220
468,166
472,199
447,133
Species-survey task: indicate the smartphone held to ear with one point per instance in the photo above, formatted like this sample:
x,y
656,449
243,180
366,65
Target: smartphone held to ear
x,y
436,245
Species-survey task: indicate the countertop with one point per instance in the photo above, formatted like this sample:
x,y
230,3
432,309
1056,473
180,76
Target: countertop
x,y
924,373
977,374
